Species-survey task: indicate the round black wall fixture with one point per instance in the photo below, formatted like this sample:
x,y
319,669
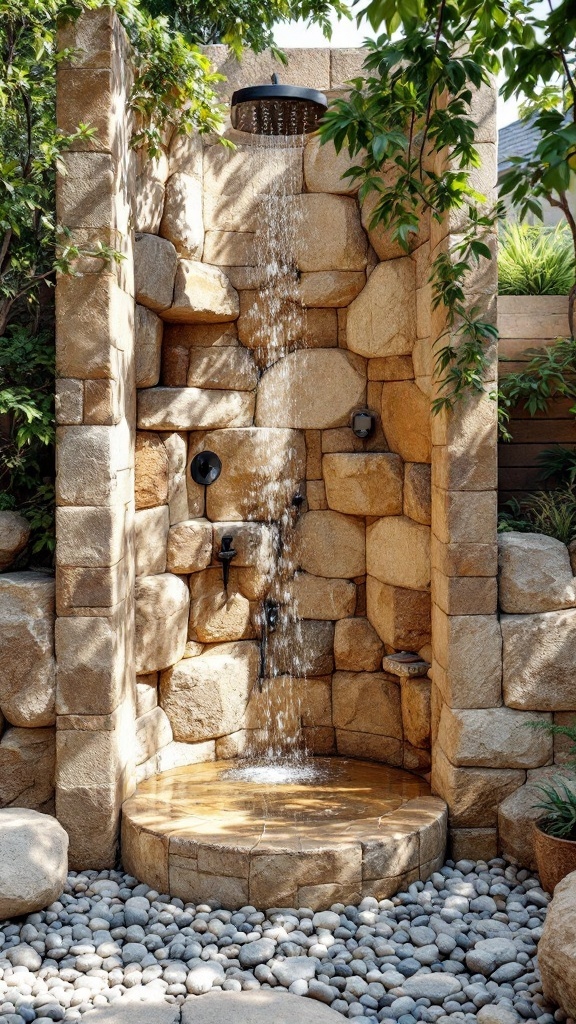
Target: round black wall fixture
x,y
205,468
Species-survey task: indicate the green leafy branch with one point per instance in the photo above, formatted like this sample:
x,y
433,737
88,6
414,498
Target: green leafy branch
x,y
413,103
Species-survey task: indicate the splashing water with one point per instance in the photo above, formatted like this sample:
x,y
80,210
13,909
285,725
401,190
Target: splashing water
x,y
276,752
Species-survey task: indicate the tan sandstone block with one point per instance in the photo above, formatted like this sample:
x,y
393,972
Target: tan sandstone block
x,y
331,544
27,766
390,368
101,402
193,409
89,460
150,471
493,738
316,495
313,455
401,617
222,368
79,588
398,552
417,492
332,288
364,484
153,731
263,470
308,644
382,320
324,167
206,697
202,294
539,661
465,450
469,649
309,389
150,535
357,646
253,543
189,546
218,615
416,710
230,248
94,319
69,401
472,595
146,693
147,347
220,335
91,648
155,261
90,537
177,451
316,597
161,621
406,420
473,794
463,559
464,516
367,702
473,843
367,747
145,852
27,678
518,812
182,220
90,815
535,574
329,235
174,364
85,190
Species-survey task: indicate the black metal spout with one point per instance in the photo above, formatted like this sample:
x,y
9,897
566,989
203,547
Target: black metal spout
x,y
225,555
271,611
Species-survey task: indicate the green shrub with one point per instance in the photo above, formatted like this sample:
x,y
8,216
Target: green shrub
x,y
535,260
550,512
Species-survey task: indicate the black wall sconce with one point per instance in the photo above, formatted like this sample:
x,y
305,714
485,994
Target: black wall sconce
x,y
205,468
363,423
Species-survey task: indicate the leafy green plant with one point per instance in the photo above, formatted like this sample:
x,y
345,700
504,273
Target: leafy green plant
x,y
558,464
414,101
535,260
549,512
550,373
559,807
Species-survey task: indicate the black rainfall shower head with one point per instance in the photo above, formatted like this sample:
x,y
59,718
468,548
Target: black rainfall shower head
x,y
277,109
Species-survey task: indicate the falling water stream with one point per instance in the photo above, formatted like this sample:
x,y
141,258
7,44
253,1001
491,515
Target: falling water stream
x,y
276,752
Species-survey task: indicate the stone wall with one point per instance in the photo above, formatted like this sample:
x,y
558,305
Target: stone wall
x,y
396,543
363,538
95,410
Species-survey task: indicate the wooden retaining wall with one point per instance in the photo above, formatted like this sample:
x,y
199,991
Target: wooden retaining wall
x,y
530,321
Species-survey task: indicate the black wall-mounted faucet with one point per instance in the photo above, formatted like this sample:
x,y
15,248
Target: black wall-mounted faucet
x,y
225,555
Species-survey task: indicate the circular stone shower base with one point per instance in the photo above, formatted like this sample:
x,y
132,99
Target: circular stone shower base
x,y
362,829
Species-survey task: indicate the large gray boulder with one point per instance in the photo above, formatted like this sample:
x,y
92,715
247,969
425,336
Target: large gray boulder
x,y
33,861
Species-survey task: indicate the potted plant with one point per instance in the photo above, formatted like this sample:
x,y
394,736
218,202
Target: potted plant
x,y
555,829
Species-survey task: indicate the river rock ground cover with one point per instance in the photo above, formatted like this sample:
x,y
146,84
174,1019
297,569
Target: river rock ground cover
x,y
460,946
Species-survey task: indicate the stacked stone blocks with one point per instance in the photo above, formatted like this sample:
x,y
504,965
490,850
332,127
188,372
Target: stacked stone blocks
x,y
95,682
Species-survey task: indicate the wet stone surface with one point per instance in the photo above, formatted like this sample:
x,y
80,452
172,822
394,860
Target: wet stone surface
x,y
461,946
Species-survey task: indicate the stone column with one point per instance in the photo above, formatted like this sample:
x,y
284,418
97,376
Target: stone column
x,y
95,402
466,638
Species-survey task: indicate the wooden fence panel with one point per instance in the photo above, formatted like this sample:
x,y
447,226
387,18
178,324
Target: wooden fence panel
x,y
524,322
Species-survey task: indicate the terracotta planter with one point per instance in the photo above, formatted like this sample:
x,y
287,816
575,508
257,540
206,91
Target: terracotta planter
x,y
555,858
